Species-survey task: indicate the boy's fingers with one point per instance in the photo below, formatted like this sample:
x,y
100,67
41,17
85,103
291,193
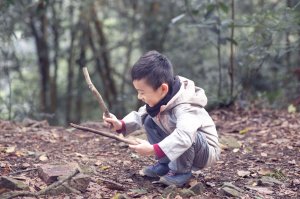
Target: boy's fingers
x,y
140,141
137,140
107,119
106,122
132,146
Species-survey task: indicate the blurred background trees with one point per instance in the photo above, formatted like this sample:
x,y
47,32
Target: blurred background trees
x,y
241,52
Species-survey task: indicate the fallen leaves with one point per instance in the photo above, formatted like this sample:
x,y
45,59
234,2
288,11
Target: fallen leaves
x,y
229,142
260,158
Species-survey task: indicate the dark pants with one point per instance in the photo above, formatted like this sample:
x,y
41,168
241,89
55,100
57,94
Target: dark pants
x,y
193,158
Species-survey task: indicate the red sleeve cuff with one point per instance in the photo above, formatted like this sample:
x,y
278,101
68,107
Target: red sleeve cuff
x,y
123,129
158,152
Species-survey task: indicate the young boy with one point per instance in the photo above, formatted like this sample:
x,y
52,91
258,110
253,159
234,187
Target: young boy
x,y
180,132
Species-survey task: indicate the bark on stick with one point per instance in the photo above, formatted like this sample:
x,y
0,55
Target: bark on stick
x,y
106,134
95,92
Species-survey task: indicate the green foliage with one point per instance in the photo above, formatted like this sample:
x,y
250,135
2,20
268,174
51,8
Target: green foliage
x,y
195,35
8,3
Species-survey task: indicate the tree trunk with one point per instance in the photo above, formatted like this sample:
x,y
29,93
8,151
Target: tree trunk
x,y
70,76
9,100
38,25
153,34
81,63
231,66
55,29
288,43
220,66
103,61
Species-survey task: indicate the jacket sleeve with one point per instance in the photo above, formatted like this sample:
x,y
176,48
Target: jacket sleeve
x,y
182,138
134,120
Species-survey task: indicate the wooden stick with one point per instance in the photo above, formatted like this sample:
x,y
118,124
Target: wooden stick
x,y
110,135
95,92
22,171
111,184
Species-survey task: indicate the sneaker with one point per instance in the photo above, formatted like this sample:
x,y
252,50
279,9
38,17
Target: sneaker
x,y
178,179
159,169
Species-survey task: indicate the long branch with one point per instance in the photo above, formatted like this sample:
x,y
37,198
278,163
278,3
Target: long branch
x,y
110,135
95,92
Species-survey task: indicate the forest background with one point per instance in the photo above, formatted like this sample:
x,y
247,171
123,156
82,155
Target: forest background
x,y
245,53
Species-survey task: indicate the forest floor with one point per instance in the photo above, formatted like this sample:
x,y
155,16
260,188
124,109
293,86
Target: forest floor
x,y
260,159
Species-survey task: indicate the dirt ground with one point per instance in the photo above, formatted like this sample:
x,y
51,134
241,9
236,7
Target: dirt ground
x,y
256,145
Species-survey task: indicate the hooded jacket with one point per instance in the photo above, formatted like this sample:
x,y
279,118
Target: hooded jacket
x,y
181,118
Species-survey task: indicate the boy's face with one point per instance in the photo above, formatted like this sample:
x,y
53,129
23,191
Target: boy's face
x,y
147,94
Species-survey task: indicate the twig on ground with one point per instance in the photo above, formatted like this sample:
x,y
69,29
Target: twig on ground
x,y
111,184
106,134
41,192
22,171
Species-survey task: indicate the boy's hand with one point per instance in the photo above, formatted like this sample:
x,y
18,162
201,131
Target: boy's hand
x,y
143,148
112,122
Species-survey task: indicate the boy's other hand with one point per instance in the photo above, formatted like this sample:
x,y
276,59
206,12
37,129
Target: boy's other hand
x,y
143,148
112,122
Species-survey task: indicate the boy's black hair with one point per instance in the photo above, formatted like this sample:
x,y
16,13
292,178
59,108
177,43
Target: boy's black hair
x,y
155,68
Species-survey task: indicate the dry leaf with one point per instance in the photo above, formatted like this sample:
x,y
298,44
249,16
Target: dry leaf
x,y
235,150
55,134
98,163
19,153
292,108
43,158
104,167
242,173
265,171
264,154
79,155
244,131
10,149
292,162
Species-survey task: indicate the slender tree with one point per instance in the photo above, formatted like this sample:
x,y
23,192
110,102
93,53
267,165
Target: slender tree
x,y
39,26
102,56
55,27
71,58
231,65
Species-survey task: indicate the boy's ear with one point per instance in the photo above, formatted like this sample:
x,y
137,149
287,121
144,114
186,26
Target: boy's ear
x,y
165,87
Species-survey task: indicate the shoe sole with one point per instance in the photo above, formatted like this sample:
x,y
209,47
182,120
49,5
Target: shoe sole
x,y
142,173
165,182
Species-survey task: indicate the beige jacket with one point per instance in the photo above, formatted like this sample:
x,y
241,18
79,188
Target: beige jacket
x,y
182,118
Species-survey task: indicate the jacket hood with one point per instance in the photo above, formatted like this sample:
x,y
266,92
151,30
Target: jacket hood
x,y
187,94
